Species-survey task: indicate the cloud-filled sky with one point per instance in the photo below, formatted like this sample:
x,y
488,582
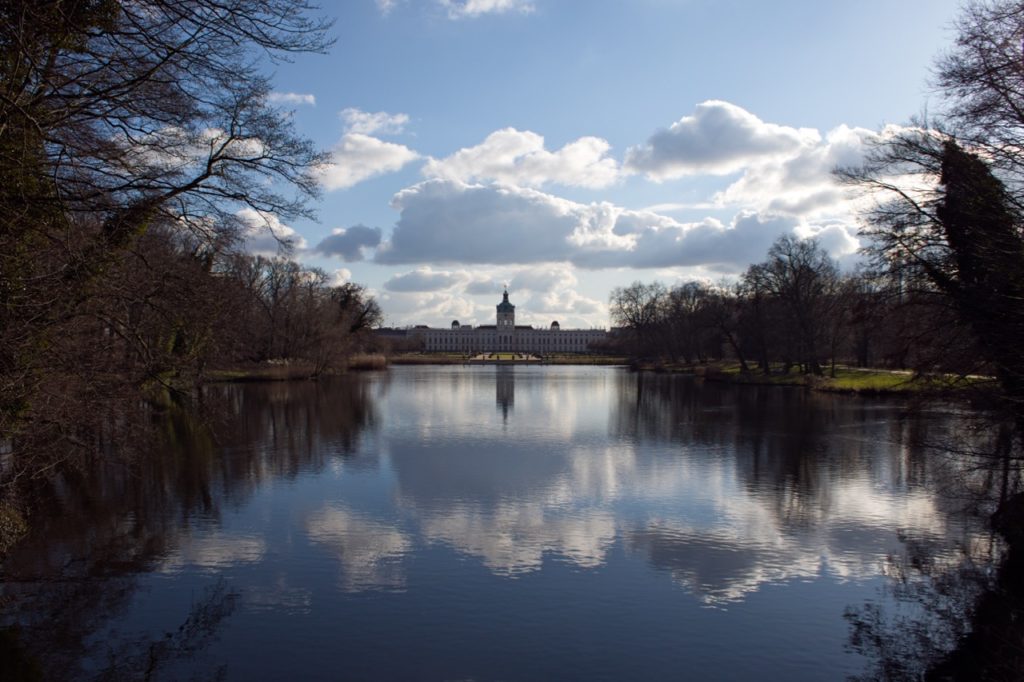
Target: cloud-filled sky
x,y
564,148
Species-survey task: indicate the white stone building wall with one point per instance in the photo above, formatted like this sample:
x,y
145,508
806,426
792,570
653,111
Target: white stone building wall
x,y
465,339
505,336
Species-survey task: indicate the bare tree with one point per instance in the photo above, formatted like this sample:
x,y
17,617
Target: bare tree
x,y
689,333
117,117
804,279
948,226
638,309
948,229
980,81
722,312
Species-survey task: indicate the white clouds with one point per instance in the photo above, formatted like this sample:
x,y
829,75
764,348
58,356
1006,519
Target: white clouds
x,y
293,98
839,238
417,307
568,303
519,158
468,9
462,9
425,279
175,148
802,184
542,292
349,244
719,138
454,222
238,147
358,157
341,276
483,287
369,123
543,279
459,223
490,204
662,242
264,234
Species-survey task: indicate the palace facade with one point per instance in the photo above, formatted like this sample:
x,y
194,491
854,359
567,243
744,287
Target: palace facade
x,y
506,335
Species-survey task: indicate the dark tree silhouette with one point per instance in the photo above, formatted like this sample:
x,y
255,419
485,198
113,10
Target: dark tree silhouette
x,y
120,119
985,277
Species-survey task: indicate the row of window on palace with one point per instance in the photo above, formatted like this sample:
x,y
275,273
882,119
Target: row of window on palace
x,y
451,341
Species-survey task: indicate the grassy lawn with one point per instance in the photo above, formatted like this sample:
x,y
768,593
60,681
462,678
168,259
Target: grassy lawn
x,y
583,359
872,381
846,380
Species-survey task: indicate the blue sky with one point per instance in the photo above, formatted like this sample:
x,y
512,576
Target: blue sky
x,y
566,147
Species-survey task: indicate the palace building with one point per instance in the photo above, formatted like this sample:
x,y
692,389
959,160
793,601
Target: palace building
x,y
506,335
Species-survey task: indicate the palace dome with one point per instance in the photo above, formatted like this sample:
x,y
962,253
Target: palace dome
x,y
505,306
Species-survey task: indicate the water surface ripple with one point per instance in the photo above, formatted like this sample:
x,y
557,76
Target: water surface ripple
x,y
513,523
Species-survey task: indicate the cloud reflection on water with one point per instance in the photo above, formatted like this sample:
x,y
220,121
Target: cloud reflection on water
x,y
722,502
370,552
417,484
512,539
214,551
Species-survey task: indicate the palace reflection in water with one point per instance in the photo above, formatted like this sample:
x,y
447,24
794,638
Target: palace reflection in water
x,y
513,522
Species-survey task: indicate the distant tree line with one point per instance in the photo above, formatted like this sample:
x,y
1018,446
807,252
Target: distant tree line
x,y
796,311
173,307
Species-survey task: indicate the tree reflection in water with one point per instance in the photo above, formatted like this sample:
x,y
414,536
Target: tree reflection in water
x,y
731,494
793,449
103,526
145,659
821,481
955,616
959,615
935,594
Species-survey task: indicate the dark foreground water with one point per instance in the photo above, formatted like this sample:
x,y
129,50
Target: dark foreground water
x,y
492,523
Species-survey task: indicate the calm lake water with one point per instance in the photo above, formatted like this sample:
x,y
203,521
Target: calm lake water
x,y
489,523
